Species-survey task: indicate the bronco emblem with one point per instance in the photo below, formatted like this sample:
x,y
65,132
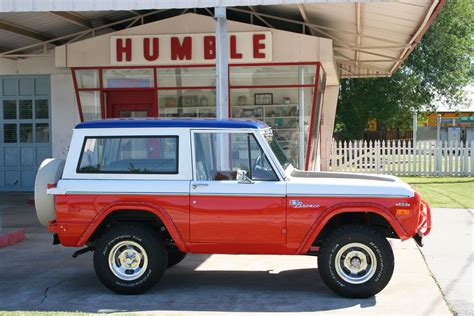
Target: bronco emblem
x,y
299,204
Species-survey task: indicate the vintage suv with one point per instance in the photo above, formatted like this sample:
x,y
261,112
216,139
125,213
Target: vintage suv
x,y
142,193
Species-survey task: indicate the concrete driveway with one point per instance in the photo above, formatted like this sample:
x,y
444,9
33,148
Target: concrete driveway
x,y
449,254
36,275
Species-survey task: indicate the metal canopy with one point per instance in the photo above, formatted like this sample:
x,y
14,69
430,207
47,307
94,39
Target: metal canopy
x,y
94,5
370,38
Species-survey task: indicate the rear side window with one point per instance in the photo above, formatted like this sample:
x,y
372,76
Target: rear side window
x,y
136,155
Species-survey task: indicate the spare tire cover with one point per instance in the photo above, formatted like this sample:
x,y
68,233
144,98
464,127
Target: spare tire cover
x,y
49,172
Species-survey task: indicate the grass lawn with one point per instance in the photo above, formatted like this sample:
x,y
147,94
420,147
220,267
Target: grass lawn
x,y
455,192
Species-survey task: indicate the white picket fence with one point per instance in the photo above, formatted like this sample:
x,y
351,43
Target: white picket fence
x,y
401,158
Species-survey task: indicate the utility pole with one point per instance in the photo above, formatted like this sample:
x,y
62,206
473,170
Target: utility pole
x,y
222,84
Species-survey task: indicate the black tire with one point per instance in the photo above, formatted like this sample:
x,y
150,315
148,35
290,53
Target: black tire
x,y
175,257
131,237
351,242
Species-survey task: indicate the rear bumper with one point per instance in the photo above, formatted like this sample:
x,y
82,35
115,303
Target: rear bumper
x,y
424,223
68,233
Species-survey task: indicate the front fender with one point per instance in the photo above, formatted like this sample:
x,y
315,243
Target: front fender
x,y
350,207
139,206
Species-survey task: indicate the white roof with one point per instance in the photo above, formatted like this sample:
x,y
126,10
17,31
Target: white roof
x,y
371,38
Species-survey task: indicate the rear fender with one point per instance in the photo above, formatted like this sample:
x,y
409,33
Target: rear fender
x,y
361,207
139,206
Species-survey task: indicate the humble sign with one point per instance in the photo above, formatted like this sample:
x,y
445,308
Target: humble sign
x,y
243,47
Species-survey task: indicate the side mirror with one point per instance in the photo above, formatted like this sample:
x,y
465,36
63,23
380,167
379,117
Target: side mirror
x,y
242,177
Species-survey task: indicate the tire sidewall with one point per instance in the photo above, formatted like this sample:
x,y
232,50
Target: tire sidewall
x,y
153,272
383,273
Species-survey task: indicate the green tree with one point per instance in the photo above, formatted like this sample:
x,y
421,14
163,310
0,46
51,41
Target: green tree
x,y
437,71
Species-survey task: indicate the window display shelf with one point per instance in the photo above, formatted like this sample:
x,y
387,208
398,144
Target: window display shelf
x,y
263,105
190,111
283,118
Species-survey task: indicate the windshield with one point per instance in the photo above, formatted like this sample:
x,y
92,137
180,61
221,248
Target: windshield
x,y
277,150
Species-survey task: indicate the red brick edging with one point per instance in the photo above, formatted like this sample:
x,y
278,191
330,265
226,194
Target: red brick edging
x,y
13,237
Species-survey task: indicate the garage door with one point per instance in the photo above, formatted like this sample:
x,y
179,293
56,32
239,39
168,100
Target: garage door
x,y
24,131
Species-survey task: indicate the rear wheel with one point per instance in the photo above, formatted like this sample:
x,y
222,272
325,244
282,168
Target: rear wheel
x,y
130,259
356,261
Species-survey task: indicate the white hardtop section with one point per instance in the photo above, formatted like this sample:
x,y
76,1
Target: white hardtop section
x,y
299,183
349,185
77,141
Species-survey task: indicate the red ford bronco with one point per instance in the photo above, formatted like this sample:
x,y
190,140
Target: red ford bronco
x,y
143,193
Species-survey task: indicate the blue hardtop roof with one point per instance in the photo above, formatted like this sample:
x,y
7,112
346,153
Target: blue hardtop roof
x,y
172,123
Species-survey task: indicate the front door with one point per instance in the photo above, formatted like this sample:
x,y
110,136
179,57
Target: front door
x,y
131,104
245,215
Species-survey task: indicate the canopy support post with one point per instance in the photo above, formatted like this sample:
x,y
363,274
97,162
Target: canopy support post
x,y
222,64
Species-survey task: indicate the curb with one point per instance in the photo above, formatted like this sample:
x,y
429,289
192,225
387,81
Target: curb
x,y
12,237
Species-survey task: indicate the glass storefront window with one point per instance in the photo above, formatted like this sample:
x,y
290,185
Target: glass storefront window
x,y
286,110
9,109
26,133
9,133
41,109
317,113
187,103
186,77
87,78
272,75
280,95
42,133
128,78
90,102
26,109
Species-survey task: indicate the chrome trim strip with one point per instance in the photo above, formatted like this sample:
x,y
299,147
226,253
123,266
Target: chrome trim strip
x,y
237,194
231,194
349,195
126,193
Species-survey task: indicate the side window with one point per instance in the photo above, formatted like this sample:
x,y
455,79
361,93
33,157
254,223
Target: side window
x,y
138,154
218,156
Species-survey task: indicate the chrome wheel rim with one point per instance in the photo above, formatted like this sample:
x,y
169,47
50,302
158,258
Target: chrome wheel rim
x,y
355,263
128,260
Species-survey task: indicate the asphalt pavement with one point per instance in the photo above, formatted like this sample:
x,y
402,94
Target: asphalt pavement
x,y
38,276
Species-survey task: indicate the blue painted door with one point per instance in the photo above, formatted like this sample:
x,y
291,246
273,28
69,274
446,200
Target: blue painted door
x,y
25,130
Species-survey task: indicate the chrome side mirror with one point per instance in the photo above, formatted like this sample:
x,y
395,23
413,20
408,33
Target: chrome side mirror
x,y
242,177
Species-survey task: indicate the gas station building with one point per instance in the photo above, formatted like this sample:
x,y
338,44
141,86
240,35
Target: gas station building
x,y
65,62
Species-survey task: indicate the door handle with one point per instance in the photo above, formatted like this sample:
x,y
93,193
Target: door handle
x,y
200,185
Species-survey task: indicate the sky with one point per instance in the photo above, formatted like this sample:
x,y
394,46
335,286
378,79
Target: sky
x,y
470,107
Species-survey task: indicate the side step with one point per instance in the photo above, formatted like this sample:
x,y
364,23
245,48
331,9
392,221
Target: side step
x,y
82,251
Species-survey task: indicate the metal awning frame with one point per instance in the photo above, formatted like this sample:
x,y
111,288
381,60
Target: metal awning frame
x,y
349,66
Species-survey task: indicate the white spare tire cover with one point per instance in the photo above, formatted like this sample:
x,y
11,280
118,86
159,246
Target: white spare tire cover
x,y
49,171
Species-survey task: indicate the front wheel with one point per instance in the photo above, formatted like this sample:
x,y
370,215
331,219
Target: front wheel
x,y
356,261
130,259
